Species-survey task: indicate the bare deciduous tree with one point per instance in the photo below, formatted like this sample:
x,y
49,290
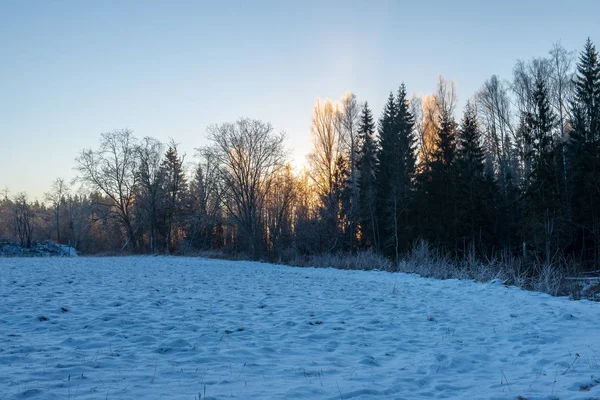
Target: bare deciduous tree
x,y
23,215
206,201
56,197
427,112
249,155
446,96
494,109
278,210
562,94
349,115
328,168
326,147
5,215
112,170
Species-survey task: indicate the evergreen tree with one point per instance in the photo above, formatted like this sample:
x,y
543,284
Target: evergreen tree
x,y
584,155
395,174
538,136
542,196
150,189
385,171
437,186
587,93
471,185
175,189
367,167
470,153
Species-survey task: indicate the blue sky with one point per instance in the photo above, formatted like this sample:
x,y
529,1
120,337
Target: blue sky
x,y
71,70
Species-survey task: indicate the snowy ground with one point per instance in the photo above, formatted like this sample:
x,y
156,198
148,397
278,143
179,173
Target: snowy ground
x,y
140,328
40,249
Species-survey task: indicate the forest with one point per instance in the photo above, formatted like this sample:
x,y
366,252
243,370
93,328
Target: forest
x,y
516,175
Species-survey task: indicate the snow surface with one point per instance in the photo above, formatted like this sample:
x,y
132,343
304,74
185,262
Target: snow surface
x,y
162,327
40,249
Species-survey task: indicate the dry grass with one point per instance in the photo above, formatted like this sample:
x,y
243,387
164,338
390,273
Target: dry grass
x,y
536,276
429,262
362,260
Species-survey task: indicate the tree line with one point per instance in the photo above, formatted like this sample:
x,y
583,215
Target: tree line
x,y
517,174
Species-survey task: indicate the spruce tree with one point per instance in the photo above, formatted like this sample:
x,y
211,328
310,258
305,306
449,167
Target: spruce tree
x,y
395,174
542,196
469,150
584,155
471,187
587,91
175,190
385,170
367,167
437,187
539,135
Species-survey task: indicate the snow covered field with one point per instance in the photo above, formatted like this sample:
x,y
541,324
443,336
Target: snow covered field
x,y
141,328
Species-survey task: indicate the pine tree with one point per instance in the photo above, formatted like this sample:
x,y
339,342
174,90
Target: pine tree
x,y
367,167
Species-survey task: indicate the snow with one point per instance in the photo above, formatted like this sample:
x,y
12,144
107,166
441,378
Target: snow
x,y
163,327
39,249
68,250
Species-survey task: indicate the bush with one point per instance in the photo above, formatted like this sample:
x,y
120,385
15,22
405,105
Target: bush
x,y
554,279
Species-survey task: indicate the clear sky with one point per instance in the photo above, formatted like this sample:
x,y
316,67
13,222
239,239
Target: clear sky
x,y
70,70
